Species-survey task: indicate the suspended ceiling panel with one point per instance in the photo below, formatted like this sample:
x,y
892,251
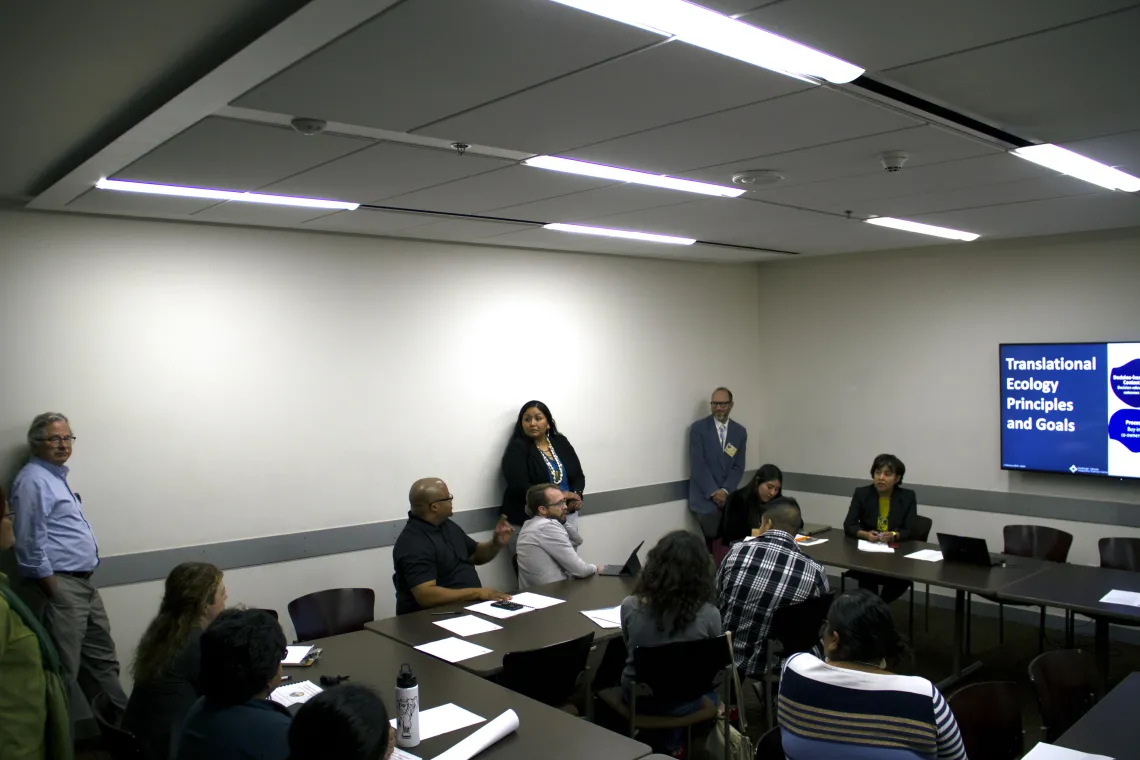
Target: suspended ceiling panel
x,y
541,238
96,201
1120,150
505,187
424,60
666,83
467,230
615,199
1045,217
908,206
369,222
259,215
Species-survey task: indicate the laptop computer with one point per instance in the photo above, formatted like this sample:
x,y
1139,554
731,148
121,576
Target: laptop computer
x,y
967,550
631,567
811,529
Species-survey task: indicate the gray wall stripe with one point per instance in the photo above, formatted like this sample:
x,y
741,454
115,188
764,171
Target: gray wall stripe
x,y
154,565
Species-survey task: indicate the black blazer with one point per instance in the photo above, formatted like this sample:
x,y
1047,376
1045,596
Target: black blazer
x,y
741,514
864,512
523,467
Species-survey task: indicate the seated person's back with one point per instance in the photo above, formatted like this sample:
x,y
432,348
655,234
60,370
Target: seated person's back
x,y
850,707
241,664
546,549
760,576
347,722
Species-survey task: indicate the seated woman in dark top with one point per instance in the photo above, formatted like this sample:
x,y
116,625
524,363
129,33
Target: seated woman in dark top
x,y
538,453
743,510
347,722
882,513
167,659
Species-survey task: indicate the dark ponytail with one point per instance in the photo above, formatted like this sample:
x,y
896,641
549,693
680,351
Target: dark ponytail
x,y
866,629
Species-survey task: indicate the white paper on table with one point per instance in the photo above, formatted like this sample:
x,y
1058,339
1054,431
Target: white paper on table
x,y
803,540
537,601
485,608
295,693
602,622
296,655
399,754
495,731
867,546
926,555
468,625
453,649
609,617
1045,751
440,720
1116,596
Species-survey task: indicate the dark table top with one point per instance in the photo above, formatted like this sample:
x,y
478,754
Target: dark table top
x,y
841,551
531,630
1078,588
1110,727
544,732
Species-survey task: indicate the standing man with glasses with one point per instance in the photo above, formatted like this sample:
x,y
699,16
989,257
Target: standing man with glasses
x,y
56,554
716,461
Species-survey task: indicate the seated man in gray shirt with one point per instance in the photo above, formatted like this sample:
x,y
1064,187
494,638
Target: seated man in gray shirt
x,y
546,552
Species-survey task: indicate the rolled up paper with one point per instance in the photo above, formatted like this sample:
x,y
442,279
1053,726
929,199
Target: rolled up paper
x,y
494,731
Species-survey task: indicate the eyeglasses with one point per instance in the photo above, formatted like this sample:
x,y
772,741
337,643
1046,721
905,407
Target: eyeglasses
x,y
440,501
57,440
720,403
559,503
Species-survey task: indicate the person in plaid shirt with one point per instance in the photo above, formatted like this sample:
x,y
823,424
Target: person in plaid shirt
x,y
762,574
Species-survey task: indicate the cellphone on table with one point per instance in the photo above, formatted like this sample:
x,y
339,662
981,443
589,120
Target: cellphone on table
x,y
507,605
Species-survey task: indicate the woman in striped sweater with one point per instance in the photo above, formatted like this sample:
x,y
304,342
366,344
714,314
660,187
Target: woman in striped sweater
x,y
850,707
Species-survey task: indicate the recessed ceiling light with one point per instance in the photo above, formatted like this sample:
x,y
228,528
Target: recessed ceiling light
x,y
922,229
221,195
601,171
754,178
627,234
713,31
1075,165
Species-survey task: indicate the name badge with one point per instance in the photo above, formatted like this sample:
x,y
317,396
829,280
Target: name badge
x,y
730,450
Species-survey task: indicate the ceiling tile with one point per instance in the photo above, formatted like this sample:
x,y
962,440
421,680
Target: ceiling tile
x,y
506,187
880,34
615,199
829,235
650,88
1045,217
908,206
800,120
427,59
259,214
236,155
464,230
564,241
1056,86
384,170
734,7
1120,150
97,201
369,222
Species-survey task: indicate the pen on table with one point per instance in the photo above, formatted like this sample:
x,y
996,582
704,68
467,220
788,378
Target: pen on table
x,y
437,614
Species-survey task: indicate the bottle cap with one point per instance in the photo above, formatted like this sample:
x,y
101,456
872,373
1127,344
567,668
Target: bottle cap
x,y
406,679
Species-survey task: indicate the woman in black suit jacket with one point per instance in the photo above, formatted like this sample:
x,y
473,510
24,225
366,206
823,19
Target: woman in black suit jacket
x,y
882,513
538,453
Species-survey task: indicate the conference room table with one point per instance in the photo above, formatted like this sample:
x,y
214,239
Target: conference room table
x,y
543,732
531,630
1109,728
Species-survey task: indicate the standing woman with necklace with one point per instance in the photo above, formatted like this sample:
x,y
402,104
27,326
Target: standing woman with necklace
x,y
538,453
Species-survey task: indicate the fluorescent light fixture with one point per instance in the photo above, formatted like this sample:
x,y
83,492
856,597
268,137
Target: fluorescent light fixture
x,y
221,195
627,234
1075,165
922,229
713,31
602,171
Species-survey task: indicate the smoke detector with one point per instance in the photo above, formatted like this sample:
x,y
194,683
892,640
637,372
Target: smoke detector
x,y
893,160
754,178
308,126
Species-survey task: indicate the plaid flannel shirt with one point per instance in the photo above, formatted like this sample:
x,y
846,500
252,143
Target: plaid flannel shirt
x,y
756,578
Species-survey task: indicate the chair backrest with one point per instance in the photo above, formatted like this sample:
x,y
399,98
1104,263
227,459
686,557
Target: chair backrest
x,y
123,745
1068,684
1120,553
797,626
989,719
550,674
272,613
770,746
922,528
332,612
683,671
1038,542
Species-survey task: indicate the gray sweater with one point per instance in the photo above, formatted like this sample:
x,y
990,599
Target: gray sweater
x,y
546,553
639,629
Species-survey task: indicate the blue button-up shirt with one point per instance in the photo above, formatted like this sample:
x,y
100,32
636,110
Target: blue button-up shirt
x,y
52,535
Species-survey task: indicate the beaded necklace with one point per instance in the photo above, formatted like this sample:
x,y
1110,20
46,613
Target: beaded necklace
x,y
553,463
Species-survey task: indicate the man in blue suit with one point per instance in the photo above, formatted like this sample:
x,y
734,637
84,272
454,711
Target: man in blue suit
x,y
716,461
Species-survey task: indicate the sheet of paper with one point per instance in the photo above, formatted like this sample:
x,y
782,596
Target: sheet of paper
x,y
1116,596
537,601
602,622
295,655
485,608
809,541
295,693
608,617
440,720
498,729
867,546
1045,751
468,625
453,649
926,555
402,754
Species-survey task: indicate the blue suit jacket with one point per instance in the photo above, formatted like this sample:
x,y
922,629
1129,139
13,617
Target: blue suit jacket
x,y
710,468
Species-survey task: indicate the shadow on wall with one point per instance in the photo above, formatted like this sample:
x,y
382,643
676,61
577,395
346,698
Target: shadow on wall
x,y
12,458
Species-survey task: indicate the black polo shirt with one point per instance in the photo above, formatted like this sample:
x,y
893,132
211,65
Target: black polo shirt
x,y
426,552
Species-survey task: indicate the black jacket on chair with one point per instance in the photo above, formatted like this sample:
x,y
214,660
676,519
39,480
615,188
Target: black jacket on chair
x,y
523,467
863,513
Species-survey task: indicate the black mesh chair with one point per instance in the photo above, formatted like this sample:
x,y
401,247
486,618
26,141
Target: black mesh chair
x,y
989,719
332,612
550,675
123,745
1120,553
1068,684
922,528
794,629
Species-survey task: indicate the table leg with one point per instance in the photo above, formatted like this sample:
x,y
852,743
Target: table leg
x,y
959,672
1102,647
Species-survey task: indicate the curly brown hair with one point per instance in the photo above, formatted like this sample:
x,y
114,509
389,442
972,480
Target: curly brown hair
x,y
678,579
190,588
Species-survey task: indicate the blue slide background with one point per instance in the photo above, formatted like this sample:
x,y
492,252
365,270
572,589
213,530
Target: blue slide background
x,y
1087,447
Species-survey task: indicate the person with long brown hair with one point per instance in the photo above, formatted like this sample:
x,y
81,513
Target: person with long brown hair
x,y
167,661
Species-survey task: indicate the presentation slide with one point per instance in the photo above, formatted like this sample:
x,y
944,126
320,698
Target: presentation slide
x,y
1071,407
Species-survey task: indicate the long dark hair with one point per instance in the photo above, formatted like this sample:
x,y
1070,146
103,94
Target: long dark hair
x,y
677,580
866,629
348,722
521,434
189,587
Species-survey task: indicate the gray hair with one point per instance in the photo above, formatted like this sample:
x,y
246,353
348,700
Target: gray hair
x,y
41,423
